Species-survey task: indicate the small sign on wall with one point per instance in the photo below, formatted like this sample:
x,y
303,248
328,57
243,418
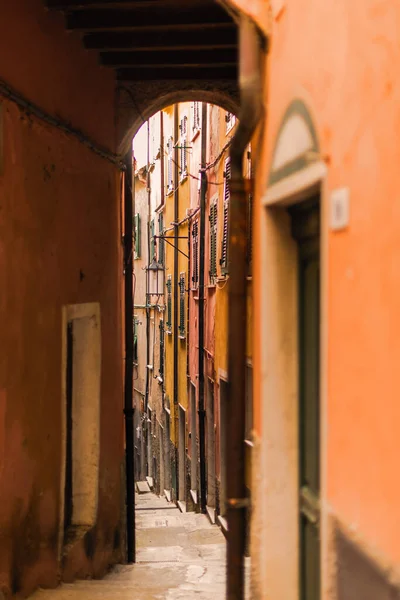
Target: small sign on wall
x,y
340,208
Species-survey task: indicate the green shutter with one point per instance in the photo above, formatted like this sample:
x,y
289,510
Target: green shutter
x,y
169,302
161,368
182,296
161,243
152,241
137,235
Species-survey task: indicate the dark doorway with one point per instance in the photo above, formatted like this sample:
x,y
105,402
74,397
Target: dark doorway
x,y
306,231
68,419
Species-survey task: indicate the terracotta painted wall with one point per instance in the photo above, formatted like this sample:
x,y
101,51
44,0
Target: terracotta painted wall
x,y
346,73
59,244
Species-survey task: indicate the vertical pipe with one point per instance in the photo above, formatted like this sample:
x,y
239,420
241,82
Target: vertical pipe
x,y
249,116
128,391
201,409
176,295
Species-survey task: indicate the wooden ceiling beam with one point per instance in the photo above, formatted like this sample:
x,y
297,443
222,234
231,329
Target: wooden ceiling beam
x,y
215,38
78,5
152,20
167,73
135,59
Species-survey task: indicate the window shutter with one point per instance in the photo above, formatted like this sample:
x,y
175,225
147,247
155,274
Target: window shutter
x,y
213,240
161,368
250,218
170,177
195,254
137,235
225,233
161,243
169,302
152,241
183,146
182,289
196,116
135,340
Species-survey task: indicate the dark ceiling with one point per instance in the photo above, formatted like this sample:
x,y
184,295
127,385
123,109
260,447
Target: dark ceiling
x,y
145,40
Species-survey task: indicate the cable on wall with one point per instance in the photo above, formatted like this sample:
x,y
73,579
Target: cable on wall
x,y
6,91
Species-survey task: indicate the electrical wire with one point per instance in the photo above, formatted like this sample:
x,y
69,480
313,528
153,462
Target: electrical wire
x,y
6,91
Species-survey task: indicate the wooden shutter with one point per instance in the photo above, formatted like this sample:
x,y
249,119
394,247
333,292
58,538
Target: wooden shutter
x,y
169,302
213,240
182,295
137,236
195,254
170,176
152,241
161,243
225,232
183,146
250,217
196,116
161,368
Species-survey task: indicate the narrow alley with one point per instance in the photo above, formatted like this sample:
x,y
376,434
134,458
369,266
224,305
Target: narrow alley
x,y
179,556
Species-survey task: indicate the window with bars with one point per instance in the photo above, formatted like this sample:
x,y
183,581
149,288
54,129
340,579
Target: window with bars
x,y
136,232
161,242
169,303
161,366
182,296
225,233
196,116
183,148
195,254
213,218
170,169
152,240
230,120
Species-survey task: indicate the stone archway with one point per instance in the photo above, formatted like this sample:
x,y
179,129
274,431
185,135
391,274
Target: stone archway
x,y
137,103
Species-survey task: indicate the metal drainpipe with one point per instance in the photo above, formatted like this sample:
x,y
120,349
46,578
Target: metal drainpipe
x,y
150,258
128,384
201,408
249,116
176,295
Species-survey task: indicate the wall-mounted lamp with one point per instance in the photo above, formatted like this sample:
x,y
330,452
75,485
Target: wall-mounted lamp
x,y
155,273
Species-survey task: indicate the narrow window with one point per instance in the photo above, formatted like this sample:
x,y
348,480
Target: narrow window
x,y
230,120
213,218
183,147
182,293
225,233
161,243
169,303
137,236
195,254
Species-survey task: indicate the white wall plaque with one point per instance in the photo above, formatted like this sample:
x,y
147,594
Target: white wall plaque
x,y
340,208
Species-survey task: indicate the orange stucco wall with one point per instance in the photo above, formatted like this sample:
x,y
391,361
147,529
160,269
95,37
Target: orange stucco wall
x,y
59,232
347,74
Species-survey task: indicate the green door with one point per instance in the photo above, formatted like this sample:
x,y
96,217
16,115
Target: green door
x,y
306,230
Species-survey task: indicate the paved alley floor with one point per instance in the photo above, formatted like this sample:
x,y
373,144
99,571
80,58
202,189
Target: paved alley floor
x,y
179,556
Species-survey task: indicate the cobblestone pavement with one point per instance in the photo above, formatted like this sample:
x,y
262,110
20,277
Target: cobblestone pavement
x,y
179,556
